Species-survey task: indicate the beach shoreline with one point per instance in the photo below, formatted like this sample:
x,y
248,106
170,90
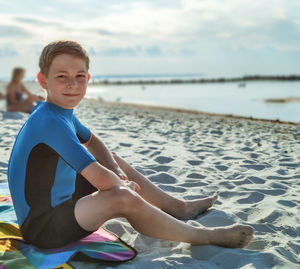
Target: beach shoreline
x,y
188,111
147,81
34,87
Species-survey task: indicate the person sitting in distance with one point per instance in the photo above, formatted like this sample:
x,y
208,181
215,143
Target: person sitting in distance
x,y
15,91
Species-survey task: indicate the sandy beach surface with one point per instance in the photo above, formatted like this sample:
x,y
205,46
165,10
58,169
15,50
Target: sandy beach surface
x,y
254,165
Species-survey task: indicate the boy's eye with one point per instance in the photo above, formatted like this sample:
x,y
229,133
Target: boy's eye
x,y
81,76
61,76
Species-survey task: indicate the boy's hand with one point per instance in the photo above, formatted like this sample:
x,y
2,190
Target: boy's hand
x,y
132,185
119,172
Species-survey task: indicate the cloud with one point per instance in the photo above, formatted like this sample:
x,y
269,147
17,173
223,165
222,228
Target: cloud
x,y
6,52
286,34
187,25
115,52
37,22
105,32
152,30
28,20
153,51
137,51
13,31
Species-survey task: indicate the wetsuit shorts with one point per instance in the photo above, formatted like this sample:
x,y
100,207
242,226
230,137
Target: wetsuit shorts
x,y
60,226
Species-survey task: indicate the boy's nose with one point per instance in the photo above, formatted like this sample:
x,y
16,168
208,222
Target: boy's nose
x,y
71,82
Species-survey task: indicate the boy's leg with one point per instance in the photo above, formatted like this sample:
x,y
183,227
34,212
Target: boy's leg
x,y
93,210
154,195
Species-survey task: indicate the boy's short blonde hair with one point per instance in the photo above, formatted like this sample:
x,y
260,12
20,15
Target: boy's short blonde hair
x,y
59,47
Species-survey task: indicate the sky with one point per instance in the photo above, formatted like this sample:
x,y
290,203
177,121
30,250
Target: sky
x,y
209,37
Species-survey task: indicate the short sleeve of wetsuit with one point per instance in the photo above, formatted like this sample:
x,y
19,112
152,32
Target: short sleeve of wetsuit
x,y
61,138
83,133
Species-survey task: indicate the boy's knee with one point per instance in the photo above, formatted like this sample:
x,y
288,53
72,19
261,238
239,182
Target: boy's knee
x,y
129,200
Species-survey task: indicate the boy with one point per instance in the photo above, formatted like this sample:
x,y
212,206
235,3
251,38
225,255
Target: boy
x,y
65,183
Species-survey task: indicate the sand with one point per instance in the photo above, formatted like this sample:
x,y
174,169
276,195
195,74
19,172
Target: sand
x,y
283,100
254,165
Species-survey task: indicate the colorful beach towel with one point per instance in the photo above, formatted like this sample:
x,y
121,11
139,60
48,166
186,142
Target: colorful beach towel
x,y
101,246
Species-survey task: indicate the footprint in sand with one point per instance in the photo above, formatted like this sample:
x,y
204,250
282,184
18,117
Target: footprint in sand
x,y
144,152
286,160
249,162
254,197
145,172
3,171
257,245
193,184
196,176
163,159
163,178
246,149
282,172
2,164
242,182
292,165
222,167
171,188
155,153
261,227
257,167
120,129
287,203
125,145
272,192
254,155
256,180
159,168
12,115
193,162
230,158
216,132
114,118
277,185
154,142
273,216
227,185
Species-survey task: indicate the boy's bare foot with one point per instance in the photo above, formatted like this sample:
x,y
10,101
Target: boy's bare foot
x,y
234,236
191,209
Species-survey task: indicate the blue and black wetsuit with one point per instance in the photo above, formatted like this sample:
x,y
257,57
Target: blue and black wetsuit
x,y
44,175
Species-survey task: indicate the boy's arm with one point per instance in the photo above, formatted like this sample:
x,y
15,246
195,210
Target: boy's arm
x,y
101,177
97,148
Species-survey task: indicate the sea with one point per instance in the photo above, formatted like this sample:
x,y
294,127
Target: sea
x,y
230,98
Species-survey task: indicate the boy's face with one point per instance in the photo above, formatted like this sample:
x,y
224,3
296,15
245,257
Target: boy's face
x,y
66,81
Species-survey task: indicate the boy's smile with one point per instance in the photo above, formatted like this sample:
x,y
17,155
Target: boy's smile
x,y
66,81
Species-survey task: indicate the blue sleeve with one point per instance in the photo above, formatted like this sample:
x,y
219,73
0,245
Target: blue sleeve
x,y
83,133
62,139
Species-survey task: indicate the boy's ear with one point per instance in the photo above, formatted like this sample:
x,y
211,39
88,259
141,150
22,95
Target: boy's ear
x,y
88,77
42,80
